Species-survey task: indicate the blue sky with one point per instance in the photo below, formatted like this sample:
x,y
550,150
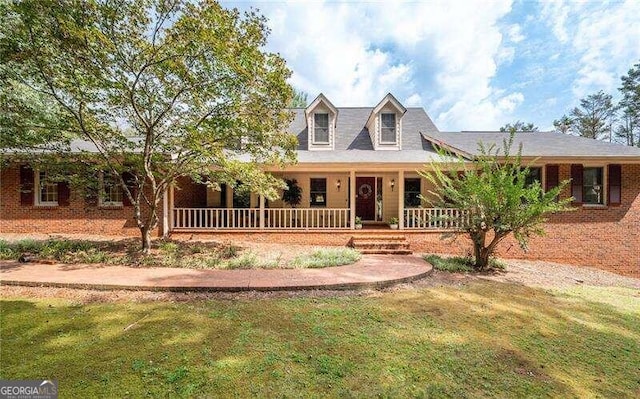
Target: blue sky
x,y
471,65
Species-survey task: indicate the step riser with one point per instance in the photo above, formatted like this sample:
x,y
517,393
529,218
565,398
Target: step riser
x,y
380,244
386,252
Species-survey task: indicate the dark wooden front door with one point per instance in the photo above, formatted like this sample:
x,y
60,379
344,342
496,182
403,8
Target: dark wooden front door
x,y
366,198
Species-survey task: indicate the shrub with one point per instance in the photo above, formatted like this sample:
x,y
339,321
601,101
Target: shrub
x,y
459,264
327,257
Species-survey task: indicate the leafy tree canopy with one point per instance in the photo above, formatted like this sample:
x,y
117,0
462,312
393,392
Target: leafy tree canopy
x,y
494,191
299,99
161,89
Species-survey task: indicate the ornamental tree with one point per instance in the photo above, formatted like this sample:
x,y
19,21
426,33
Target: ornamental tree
x,y
160,89
493,190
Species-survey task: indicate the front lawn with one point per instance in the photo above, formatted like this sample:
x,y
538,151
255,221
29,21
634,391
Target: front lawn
x,y
172,253
483,339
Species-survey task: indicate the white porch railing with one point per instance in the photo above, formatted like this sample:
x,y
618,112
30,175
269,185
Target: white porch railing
x,y
249,218
434,218
306,218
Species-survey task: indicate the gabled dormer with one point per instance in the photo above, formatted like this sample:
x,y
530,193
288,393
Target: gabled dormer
x,y
321,118
385,124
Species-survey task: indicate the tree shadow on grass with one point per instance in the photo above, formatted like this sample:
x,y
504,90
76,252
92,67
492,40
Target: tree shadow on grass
x,y
482,339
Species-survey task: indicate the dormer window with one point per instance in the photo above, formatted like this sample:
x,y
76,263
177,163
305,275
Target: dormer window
x,y
388,128
321,117
321,128
385,124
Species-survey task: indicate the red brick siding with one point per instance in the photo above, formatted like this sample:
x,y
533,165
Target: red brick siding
x,y
78,217
189,194
605,237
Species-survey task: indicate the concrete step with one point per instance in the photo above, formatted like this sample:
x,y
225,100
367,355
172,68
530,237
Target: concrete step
x,y
385,251
380,244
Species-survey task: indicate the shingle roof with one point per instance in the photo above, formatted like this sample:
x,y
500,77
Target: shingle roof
x,y
353,143
536,144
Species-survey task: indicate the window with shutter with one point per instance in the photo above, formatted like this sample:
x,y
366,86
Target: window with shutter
x,y
592,186
46,191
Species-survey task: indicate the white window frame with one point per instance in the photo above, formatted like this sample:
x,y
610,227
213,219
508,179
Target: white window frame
x,y
102,194
395,128
315,141
37,192
604,189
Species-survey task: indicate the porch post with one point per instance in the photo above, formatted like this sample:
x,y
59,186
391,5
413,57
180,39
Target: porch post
x,y
352,199
401,199
171,206
165,213
261,218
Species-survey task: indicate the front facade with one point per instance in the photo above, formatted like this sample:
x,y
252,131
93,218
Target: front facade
x,y
361,165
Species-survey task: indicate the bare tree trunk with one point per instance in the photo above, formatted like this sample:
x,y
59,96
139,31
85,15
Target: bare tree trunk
x,y
145,232
478,239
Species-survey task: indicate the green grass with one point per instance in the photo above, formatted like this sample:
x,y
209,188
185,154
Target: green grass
x,y
327,257
459,264
485,339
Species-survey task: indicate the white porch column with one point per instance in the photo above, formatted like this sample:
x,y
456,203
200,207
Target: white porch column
x,y
352,199
165,213
171,206
261,218
401,199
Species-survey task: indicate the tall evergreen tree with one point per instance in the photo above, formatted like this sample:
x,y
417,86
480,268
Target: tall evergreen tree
x,y
594,118
629,128
519,126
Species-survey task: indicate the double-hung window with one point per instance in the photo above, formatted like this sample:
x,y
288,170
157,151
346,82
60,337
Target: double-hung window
x,y
111,193
388,128
46,190
321,128
412,193
318,192
592,186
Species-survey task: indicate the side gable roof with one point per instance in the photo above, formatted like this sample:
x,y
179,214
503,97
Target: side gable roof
x,y
534,144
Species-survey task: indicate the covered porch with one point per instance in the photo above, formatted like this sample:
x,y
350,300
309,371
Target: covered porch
x,y
330,201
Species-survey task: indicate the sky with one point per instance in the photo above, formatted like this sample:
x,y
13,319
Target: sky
x,y
472,65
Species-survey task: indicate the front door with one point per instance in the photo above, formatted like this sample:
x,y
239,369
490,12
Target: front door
x,y
366,198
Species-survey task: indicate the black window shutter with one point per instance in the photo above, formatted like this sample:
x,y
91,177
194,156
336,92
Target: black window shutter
x,y
615,184
576,183
26,185
551,177
63,193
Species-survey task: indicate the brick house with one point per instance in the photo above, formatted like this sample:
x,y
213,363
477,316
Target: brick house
x,y
363,162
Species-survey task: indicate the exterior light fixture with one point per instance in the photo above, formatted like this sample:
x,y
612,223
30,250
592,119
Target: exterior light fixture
x,y
338,184
393,184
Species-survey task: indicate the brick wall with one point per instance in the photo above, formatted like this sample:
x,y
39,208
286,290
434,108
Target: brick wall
x,y
604,237
79,217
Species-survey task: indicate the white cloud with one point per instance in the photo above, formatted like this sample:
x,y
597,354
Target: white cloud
x,y
413,100
600,40
514,33
440,55
556,12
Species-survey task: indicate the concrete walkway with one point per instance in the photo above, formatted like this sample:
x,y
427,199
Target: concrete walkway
x,y
372,271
